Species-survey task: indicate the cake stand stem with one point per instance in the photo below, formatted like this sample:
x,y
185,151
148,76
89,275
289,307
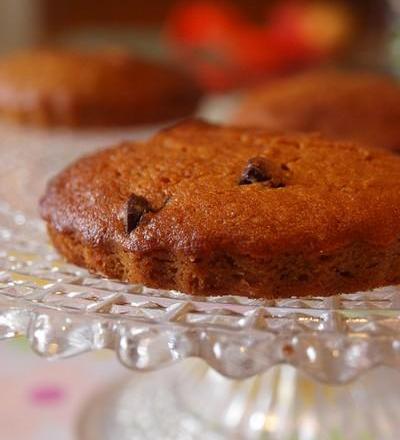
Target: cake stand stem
x,y
191,401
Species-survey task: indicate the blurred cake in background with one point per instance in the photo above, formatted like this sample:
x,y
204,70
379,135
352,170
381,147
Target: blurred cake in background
x,y
79,89
344,105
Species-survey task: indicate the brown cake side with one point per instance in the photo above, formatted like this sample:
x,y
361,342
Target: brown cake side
x,y
64,88
364,107
215,210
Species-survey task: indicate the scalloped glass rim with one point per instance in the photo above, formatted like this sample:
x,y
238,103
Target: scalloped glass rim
x,y
64,310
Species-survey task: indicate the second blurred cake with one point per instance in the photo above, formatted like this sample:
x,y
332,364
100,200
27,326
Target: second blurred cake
x,y
341,105
65,88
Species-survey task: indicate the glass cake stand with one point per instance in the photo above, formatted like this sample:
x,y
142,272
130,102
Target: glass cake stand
x,y
243,368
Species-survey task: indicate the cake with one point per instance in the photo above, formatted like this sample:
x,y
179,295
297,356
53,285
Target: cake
x,y
214,210
76,89
342,105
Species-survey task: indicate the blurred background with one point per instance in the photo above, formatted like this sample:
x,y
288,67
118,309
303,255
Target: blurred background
x,y
225,46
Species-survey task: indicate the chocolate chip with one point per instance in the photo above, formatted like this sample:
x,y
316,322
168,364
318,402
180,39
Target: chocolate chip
x,y
136,207
260,169
255,171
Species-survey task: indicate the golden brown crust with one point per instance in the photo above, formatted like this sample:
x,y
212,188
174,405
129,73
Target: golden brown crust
x,y
61,88
364,107
329,223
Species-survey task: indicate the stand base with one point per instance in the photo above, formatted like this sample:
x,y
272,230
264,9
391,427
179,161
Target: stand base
x,y
192,402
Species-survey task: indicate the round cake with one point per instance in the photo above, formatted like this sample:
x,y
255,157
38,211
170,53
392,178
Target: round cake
x,y
364,107
213,210
65,88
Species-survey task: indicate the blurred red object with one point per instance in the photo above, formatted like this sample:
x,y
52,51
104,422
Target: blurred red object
x,y
226,50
